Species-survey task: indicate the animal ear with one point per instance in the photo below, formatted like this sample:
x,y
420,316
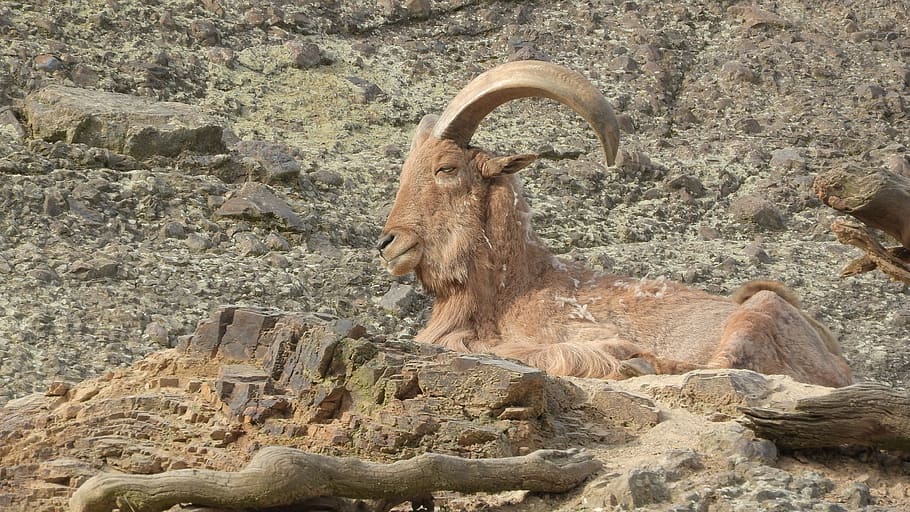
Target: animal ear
x,y
511,164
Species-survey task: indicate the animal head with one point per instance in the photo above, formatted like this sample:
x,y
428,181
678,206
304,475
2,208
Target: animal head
x,y
442,211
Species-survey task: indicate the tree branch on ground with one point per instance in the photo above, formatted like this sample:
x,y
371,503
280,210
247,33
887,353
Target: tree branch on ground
x,y
296,480
864,414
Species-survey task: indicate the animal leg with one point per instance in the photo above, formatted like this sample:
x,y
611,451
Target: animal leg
x,y
769,335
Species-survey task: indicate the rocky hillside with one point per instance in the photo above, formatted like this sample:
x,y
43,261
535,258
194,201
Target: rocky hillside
x,y
160,159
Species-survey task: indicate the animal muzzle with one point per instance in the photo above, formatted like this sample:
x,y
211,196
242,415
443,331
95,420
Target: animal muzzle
x,y
400,251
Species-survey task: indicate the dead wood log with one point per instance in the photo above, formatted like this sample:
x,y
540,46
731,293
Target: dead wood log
x,y
894,261
279,477
864,414
877,198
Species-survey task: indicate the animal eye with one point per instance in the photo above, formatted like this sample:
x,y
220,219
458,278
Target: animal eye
x,y
446,170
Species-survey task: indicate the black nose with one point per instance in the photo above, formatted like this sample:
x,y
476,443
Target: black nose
x,y
384,241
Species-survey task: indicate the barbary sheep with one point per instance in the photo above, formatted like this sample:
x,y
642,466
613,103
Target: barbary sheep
x,y
461,223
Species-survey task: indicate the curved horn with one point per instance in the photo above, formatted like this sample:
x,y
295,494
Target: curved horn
x,y
523,79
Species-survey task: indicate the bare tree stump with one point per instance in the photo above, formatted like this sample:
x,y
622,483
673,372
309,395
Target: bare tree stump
x,y
863,414
279,477
879,199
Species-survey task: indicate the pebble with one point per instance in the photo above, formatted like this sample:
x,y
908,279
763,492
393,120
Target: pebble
x,y
48,63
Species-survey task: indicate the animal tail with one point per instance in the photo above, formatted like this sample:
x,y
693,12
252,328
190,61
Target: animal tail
x,y
746,291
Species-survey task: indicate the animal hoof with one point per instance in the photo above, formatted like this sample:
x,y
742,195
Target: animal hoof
x,y
636,367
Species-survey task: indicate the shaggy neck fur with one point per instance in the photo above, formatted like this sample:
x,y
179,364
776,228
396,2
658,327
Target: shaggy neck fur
x,y
507,254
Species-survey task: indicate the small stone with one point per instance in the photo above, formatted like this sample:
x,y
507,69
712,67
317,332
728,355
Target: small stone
x,y
205,32
900,165
197,242
58,388
707,233
756,253
624,120
870,91
689,183
277,160
900,318
398,298
221,56
143,464
248,245
99,267
328,178
173,230
364,91
63,471
276,242
748,125
156,332
626,409
54,202
758,211
256,201
304,55
10,124
48,63
44,275
857,496
736,71
787,159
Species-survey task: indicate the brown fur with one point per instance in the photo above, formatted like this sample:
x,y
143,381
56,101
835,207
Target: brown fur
x,y
460,222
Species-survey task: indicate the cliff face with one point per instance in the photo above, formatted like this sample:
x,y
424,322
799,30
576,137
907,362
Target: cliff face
x,y
161,159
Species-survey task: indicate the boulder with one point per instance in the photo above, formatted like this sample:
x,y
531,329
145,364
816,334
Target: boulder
x,y
139,127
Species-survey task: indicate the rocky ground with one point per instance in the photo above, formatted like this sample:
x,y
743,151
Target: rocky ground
x,y
113,245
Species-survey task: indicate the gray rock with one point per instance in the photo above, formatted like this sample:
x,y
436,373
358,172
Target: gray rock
x,y
756,253
857,496
758,211
328,178
639,488
173,229
735,71
407,9
748,125
136,126
787,159
275,158
248,245
399,298
9,125
364,91
256,201
304,55
723,391
276,242
626,409
98,267
197,242
205,32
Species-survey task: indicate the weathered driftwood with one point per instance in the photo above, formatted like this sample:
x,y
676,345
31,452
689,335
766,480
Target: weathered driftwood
x,y
880,199
863,414
894,261
285,477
